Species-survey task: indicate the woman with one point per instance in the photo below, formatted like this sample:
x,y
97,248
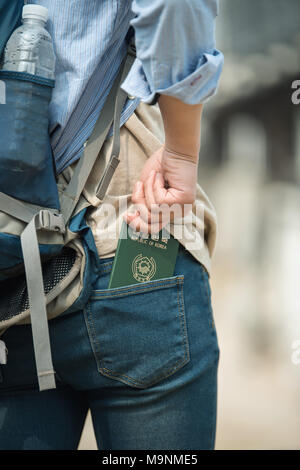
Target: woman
x,y
143,360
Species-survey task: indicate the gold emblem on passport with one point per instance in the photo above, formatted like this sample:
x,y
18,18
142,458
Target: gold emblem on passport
x,y
143,268
143,258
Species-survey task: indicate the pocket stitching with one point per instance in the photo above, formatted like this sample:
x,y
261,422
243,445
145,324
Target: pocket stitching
x,y
178,364
106,270
110,373
136,290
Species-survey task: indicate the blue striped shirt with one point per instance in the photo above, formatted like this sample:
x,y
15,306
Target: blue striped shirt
x,y
176,56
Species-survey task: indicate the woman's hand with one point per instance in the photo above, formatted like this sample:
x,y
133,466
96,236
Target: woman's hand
x,y
167,185
166,190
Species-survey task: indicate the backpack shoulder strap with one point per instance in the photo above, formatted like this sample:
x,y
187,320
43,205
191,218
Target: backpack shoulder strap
x,y
110,113
10,18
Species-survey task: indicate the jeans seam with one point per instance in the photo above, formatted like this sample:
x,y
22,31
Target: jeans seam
x,y
211,322
172,370
213,431
92,333
207,298
181,309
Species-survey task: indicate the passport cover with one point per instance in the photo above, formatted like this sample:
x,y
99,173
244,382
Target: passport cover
x,y
139,259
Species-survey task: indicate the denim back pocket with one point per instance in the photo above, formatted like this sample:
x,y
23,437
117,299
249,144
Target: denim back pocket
x,y
138,333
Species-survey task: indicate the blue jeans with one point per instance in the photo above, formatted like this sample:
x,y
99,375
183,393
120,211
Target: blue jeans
x,y
142,358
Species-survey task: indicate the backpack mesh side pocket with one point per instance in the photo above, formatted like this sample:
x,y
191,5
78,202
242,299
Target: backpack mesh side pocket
x,y
58,273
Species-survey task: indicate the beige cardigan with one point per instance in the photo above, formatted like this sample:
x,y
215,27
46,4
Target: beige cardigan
x,y
141,136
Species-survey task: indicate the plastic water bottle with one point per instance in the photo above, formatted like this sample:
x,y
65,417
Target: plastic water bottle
x,y
29,49
28,77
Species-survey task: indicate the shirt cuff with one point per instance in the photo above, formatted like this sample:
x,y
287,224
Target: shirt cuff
x,y
196,88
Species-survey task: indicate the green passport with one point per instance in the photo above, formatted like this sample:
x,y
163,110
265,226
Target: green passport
x,y
139,259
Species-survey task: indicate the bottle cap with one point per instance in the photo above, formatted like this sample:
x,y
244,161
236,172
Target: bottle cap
x,y
37,12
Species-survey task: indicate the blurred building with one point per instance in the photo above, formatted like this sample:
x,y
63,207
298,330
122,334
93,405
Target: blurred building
x,y
261,42
250,167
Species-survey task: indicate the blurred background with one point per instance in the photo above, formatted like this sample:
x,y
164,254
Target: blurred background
x,y
250,168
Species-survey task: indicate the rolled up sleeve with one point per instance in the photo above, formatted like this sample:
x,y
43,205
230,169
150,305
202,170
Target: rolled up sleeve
x,y
176,52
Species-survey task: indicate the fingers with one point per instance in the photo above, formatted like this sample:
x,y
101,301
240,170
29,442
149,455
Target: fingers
x,y
139,219
159,190
151,201
138,194
142,220
155,193
137,224
149,193
144,200
154,205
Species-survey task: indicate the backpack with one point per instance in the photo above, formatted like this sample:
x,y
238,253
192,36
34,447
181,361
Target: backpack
x,y
47,251
10,14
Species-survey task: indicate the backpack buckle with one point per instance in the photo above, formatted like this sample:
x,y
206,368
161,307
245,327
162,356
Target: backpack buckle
x,y
48,220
